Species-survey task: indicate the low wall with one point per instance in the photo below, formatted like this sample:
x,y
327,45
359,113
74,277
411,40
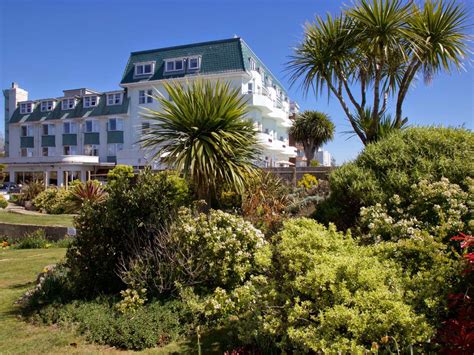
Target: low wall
x,y
293,174
20,231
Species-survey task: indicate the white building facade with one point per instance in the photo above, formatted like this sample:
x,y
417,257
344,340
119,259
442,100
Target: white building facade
x,y
85,132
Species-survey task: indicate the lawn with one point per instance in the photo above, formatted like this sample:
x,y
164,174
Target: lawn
x,y
18,270
43,220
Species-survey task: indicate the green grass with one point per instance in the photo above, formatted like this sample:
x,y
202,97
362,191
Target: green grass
x,y
18,271
43,220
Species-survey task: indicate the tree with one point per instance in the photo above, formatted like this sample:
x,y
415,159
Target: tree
x,y
201,131
377,48
312,129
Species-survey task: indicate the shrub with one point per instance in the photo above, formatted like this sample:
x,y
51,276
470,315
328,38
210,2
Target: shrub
x,y
30,190
440,208
90,191
325,294
3,202
155,324
391,166
53,201
34,240
108,232
200,250
308,181
264,201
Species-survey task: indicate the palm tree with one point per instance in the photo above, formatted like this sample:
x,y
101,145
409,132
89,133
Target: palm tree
x,y
379,46
202,132
312,129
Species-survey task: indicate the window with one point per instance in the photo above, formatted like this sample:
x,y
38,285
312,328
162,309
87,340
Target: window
x,y
112,149
26,107
253,65
145,127
48,129
172,65
47,105
27,131
145,96
115,124
26,152
90,101
48,151
144,68
250,86
91,126
194,63
91,150
68,104
70,127
114,99
70,150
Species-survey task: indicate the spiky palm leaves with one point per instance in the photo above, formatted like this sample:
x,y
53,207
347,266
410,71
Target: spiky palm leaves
x,y
202,132
379,45
312,129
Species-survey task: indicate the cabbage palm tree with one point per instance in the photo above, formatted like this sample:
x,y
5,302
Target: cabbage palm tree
x,y
312,129
373,51
201,131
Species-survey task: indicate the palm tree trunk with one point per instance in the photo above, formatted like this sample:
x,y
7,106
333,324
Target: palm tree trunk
x,y
309,153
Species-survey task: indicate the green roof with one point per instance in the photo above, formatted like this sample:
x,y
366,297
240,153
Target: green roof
x,y
223,56
78,112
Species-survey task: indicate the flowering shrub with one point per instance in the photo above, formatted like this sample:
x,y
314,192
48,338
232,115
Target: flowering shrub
x,y
308,181
391,166
440,208
132,300
324,294
201,250
3,202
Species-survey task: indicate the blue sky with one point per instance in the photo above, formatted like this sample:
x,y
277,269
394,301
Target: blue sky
x,y
50,45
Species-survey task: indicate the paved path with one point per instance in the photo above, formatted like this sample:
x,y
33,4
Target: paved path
x,y
21,210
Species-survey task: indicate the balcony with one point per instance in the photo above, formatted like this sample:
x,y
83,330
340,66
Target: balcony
x,y
263,102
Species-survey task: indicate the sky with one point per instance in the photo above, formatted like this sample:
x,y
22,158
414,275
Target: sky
x,y
50,45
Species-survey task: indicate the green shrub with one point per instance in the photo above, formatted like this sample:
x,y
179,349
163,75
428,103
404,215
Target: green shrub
x,y
30,190
90,191
53,201
155,324
34,240
108,232
325,294
440,208
391,166
201,250
3,202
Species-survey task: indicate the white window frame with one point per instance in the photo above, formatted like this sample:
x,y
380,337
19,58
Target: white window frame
x,y
174,61
72,128
142,71
113,149
144,97
50,151
91,150
118,124
26,107
95,127
114,99
68,104
26,152
253,64
72,149
50,131
47,105
89,102
198,59
29,130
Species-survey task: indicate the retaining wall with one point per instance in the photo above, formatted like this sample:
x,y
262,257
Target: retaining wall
x,y
20,231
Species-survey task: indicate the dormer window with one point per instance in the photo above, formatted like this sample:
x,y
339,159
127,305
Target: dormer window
x,y
114,99
146,68
90,101
26,107
253,65
174,65
194,63
68,104
47,105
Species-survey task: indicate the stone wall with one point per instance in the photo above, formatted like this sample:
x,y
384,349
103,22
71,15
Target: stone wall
x,y
293,174
20,231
